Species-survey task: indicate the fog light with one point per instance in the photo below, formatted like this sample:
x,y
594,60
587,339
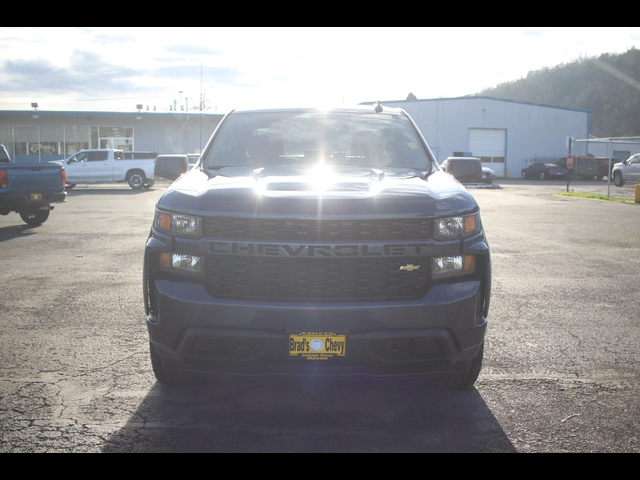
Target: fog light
x,y
446,267
179,263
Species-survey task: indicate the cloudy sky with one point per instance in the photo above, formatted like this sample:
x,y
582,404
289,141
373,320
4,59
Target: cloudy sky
x,y
116,68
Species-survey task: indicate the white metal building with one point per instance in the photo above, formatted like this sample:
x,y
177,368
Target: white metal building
x,y
42,136
621,149
506,135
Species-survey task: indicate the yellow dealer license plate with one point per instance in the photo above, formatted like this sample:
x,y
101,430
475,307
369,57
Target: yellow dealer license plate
x,y
317,346
36,197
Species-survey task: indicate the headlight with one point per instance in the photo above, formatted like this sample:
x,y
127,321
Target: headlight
x,y
456,227
179,225
446,267
192,265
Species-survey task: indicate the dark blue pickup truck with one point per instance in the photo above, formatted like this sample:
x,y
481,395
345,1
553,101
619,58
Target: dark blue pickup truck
x,y
309,242
30,188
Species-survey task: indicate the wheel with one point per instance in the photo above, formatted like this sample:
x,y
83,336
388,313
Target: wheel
x,y
163,376
136,180
148,184
542,177
467,379
36,217
524,174
618,180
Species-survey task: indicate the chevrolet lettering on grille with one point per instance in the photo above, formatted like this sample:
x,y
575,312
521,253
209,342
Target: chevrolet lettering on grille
x,y
316,251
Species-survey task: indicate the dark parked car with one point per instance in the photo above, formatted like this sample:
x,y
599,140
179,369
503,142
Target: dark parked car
x,y
545,171
605,166
584,168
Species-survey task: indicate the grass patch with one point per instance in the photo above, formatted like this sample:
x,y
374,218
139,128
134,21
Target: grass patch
x,y
595,196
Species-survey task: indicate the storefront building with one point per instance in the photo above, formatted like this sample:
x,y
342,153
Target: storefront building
x,y
45,136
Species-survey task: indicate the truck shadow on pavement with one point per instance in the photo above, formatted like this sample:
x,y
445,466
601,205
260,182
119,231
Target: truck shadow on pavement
x,y
284,415
17,231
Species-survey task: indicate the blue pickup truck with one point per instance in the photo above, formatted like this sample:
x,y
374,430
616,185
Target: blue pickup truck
x,y
29,189
316,243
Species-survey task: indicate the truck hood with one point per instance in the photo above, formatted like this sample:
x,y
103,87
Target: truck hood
x,y
312,192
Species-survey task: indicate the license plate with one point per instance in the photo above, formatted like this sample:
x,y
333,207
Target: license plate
x,y
36,197
317,346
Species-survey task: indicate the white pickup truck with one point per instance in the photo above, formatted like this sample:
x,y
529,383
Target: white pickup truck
x,y
108,166
627,171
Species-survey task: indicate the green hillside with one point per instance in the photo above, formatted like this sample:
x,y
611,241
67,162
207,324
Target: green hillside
x,y
608,86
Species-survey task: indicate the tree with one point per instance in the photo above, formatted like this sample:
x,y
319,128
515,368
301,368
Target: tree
x,y
607,86
203,105
411,96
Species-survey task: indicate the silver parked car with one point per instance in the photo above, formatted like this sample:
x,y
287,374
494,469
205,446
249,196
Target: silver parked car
x,y
629,170
488,175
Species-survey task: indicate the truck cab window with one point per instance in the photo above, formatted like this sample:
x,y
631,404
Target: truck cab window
x,y
80,157
98,156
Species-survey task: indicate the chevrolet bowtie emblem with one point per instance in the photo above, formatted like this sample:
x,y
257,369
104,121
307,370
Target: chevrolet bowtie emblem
x,y
410,268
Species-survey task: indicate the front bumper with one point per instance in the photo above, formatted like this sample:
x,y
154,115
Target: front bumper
x,y
438,334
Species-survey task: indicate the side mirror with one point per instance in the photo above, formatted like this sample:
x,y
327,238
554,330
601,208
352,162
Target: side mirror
x,y
171,167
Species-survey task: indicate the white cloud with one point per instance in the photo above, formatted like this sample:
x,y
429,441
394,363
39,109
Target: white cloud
x,y
279,66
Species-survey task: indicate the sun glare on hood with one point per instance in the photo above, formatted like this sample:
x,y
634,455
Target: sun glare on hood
x,y
322,178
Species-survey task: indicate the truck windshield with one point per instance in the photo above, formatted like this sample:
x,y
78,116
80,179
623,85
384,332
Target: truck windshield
x,y
270,139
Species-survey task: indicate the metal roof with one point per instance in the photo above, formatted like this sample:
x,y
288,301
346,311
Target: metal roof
x,y
361,108
114,114
477,97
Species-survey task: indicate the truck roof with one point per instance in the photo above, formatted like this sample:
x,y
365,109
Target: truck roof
x,y
100,150
361,109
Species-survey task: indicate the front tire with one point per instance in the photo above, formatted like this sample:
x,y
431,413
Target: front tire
x,y
164,377
468,379
136,179
35,217
618,180
542,176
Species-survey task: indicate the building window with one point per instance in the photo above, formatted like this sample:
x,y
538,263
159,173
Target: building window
x,y
492,159
52,141
27,144
95,138
6,139
119,138
76,139
46,143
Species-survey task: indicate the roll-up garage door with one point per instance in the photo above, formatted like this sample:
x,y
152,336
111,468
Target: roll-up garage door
x,y
490,145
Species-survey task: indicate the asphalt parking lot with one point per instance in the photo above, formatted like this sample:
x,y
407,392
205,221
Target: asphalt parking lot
x,y
561,371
